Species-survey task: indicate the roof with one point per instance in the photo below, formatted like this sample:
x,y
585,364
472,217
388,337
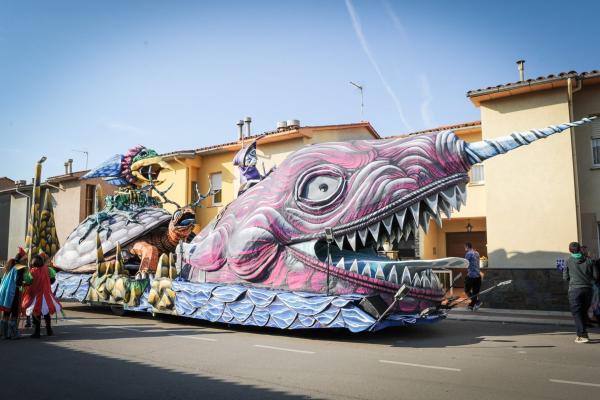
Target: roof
x,y
44,184
540,83
66,177
455,127
268,137
6,182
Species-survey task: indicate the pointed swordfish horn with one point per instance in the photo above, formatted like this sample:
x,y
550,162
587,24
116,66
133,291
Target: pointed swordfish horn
x,y
480,151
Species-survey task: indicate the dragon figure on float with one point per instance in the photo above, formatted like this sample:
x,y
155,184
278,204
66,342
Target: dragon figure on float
x,y
298,248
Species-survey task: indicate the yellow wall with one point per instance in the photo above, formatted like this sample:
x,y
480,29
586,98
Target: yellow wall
x,y
531,213
585,103
476,195
178,176
433,245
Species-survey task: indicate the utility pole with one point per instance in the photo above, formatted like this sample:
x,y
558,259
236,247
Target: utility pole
x,y
362,99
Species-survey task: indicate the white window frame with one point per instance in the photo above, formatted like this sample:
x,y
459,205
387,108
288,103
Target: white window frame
x,y
474,182
220,193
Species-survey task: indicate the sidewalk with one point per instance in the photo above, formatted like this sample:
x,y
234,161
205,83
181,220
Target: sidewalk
x,y
558,318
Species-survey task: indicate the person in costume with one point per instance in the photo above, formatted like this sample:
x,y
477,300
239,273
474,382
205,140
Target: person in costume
x,y
10,294
38,299
245,160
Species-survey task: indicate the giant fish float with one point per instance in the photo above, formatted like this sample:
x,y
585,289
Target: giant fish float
x,y
297,249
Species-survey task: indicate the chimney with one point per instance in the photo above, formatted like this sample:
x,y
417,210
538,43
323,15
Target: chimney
x,y
240,125
66,168
521,66
70,162
248,120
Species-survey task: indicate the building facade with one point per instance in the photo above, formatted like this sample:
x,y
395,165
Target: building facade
x,y
214,165
72,199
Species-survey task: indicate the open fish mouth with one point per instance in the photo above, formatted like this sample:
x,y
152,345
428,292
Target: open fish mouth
x,y
354,255
184,218
148,169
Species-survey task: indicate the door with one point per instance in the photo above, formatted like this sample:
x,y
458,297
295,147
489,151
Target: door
x,y
455,247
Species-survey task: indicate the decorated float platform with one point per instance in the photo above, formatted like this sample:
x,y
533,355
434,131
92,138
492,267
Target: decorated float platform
x,y
251,306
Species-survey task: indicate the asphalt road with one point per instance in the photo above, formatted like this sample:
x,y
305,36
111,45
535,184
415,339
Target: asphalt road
x,y
96,355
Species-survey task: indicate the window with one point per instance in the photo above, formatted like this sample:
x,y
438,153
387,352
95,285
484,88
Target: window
x,y
90,200
596,144
596,151
477,174
215,181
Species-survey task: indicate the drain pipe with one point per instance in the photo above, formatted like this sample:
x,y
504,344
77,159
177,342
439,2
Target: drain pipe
x,y
570,91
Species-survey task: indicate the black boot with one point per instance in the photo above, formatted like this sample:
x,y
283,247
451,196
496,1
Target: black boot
x,y
47,319
36,324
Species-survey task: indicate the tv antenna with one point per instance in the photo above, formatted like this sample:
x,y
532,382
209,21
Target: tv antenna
x,y
87,155
362,99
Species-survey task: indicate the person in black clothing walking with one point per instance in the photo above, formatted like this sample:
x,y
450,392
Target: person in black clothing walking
x,y
581,273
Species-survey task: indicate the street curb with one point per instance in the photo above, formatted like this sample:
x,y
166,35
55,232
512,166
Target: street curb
x,y
508,319
516,312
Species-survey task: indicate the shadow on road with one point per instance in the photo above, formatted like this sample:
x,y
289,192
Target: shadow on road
x,y
47,370
449,333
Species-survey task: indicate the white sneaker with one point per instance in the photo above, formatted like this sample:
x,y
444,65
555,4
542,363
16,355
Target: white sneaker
x,y
581,339
476,306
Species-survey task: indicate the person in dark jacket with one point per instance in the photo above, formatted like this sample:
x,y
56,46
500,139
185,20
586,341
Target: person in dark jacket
x,y
581,274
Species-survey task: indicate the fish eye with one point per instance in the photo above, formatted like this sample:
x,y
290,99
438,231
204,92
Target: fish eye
x,y
320,187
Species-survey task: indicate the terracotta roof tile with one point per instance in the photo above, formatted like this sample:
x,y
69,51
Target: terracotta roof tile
x,y
529,82
470,124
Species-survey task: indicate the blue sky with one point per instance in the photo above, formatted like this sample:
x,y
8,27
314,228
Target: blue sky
x,y
102,76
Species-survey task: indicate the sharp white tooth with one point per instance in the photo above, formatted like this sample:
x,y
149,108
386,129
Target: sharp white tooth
x,y
387,223
374,229
414,209
367,270
461,191
445,207
435,281
363,236
379,274
449,195
400,217
432,202
406,276
340,263
408,227
393,236
416,280
352,240
354,267
437,219
425,282
424,220
393,276
399,234
339,240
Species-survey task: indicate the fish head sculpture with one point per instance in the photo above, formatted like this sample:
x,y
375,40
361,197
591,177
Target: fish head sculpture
x,y
367,192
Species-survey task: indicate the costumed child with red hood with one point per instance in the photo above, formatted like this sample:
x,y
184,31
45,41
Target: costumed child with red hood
x,y
10,294
39,300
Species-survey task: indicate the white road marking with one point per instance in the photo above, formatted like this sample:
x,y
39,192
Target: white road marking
x,y
284,349
119,327
71,320
575,383
420,365
194,337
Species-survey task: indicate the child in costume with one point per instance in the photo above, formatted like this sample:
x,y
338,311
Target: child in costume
x,y
39,300
10,295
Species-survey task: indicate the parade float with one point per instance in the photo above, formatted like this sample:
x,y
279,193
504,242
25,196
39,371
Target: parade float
x,y
296,249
